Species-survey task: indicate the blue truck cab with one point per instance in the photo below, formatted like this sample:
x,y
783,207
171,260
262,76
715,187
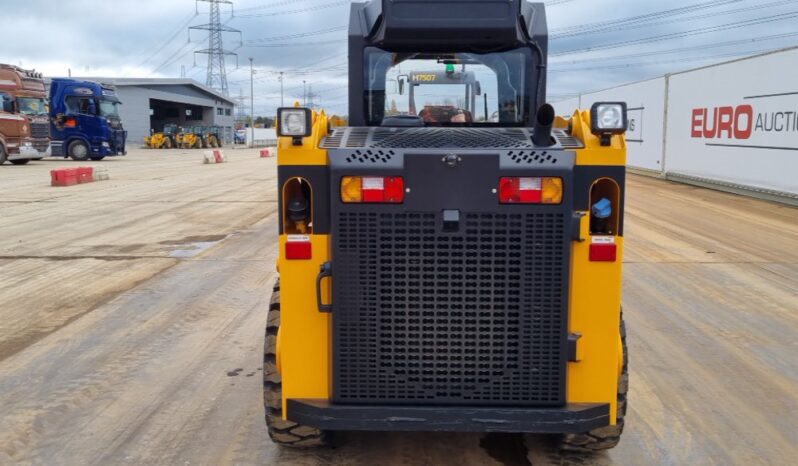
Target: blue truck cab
x,y
84,120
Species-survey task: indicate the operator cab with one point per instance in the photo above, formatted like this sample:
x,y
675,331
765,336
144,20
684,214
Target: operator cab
x,y
445,66
446,95
446,89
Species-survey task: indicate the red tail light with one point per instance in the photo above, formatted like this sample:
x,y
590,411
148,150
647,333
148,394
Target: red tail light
x,y
373,189
530,190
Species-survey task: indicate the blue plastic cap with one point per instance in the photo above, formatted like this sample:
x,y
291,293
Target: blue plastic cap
x,y
602,208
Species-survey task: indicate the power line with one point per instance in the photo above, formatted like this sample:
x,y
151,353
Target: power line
x,y
298,35
169,61
168,41
275,4
629,27
659,62
296,11
642,18
680,49
676,35
296,44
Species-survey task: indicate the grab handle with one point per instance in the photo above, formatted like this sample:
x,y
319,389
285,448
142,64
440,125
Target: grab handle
x,y
324,272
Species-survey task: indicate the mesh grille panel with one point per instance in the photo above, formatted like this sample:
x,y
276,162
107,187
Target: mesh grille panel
x,y
474,317
40,130
457,138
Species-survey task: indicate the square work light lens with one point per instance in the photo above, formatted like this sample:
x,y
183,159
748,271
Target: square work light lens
x,y
294,122
609,117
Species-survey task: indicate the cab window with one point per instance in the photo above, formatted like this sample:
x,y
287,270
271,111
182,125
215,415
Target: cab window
x,y
80,105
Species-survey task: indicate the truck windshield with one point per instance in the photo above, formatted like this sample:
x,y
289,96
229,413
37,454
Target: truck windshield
x,y
32,106
449,89
109,108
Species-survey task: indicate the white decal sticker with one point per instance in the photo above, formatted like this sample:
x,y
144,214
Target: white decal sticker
x,y
603,240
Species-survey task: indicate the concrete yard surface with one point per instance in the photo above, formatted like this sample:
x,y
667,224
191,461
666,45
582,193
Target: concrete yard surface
x,y
132,315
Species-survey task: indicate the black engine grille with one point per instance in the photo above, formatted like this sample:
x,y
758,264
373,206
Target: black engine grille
x,y
468,318
39,130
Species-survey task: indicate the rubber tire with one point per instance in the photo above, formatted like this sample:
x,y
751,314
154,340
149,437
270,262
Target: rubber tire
x,y
70,151
604,438
282,432
97,158
20,162
3,155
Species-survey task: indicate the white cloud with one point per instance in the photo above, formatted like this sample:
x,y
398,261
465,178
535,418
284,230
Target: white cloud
x,y
148,37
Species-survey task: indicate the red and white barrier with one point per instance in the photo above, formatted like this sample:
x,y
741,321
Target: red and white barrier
x,y
264,153
79,175
214,156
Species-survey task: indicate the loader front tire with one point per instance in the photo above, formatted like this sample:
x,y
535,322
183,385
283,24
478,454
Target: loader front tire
x,y
604,438
282,432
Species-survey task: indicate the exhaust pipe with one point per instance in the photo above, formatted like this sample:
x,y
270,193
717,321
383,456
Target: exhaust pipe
x,y
543,123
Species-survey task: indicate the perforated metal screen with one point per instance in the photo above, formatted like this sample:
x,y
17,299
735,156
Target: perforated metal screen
x,y
475,317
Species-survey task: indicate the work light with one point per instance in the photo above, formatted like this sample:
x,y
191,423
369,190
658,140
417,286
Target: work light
x,y
294,122
608,118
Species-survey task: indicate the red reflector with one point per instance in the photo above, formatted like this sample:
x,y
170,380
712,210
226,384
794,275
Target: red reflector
x,y
603,252
515,190
378,189
394,189
298,247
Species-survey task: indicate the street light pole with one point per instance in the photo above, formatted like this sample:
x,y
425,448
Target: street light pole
x,y
282,104
251,102
304,95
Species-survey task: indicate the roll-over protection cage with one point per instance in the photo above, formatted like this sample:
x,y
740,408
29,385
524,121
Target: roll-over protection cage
x,y
444,26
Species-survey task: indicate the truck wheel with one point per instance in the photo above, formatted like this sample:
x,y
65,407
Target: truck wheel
x,y
282,432
20,162
78,150
607,437
3,155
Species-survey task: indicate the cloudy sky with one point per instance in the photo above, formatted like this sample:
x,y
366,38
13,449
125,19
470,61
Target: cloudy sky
x,y
595,44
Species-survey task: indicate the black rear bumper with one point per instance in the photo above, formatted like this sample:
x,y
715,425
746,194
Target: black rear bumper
x,y
571,418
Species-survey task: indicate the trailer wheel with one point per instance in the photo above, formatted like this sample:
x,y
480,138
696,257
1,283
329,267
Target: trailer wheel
x,y
604,438
78,150
20,162
282,432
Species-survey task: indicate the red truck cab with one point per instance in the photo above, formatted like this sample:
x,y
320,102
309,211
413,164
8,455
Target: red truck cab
x,y
24,121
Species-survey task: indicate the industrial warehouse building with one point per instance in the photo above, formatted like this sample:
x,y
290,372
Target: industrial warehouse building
x,y
149,104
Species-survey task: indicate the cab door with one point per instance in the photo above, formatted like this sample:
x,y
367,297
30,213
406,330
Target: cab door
x,y
83,121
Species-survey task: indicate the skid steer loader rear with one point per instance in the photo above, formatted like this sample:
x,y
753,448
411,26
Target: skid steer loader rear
x,y
459,274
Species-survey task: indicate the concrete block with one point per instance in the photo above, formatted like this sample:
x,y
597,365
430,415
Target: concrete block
x,y
101,174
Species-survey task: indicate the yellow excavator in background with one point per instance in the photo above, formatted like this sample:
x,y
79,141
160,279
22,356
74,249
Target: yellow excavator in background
x,y
169,138
212,137
193,138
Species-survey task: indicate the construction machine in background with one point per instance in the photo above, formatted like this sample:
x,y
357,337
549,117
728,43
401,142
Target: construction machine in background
x,y
213,136
449,274
171,137
194,138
